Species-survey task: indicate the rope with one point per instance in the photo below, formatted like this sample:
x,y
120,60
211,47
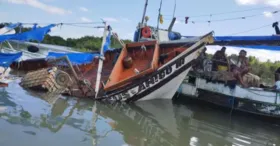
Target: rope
x,y
228,19
263,26
65,23
222,13
74,25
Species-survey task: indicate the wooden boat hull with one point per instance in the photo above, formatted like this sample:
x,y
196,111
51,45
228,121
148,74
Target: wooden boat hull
x,y
41,63
29,65
250,100
161,84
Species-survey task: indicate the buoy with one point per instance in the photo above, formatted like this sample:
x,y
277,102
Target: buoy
x,y
127,62
146,32
32,49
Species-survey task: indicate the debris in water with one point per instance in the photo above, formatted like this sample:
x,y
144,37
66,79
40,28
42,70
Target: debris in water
x,y
25,114
30,132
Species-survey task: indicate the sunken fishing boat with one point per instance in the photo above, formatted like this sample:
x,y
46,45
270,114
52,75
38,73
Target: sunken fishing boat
x,y
220,87
153,66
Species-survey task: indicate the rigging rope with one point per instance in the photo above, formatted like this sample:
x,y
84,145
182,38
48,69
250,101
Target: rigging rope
x,y
227,19
263,26
222,13
64,23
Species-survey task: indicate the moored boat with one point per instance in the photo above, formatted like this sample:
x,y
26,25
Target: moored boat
x,y
222,88
229,94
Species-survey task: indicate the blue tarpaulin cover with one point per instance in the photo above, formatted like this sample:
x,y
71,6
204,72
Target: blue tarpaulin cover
x,y
75,58
6,59
244,38
37,34
82,58
247,38
258,47
107,44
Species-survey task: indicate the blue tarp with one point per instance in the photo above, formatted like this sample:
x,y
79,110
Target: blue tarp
x,y
244,38
106,46
247,38
75,58
6,59
258,47
82,58
37,34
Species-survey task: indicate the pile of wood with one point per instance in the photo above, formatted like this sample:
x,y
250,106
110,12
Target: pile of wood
x,y
49,80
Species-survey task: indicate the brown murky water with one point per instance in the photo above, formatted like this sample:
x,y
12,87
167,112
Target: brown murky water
x,y
30,119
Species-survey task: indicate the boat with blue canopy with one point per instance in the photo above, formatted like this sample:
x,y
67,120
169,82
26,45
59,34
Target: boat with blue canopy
x,y
8,34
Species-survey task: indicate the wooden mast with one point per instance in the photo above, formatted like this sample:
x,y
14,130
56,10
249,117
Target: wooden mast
x,y
101,58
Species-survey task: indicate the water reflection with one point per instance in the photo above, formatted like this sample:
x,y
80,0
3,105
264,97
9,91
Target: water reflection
x,y
57,120
164,123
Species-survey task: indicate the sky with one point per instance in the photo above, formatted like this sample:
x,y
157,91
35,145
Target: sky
x,y
124,15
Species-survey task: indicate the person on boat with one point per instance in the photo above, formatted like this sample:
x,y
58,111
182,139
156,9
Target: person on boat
x,y
219,60
277,79
198,63
277,74
240,67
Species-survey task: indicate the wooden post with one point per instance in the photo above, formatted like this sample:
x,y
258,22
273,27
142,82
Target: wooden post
x,y
101,58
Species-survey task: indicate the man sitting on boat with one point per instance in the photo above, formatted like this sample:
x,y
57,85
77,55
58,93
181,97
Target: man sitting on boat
x,y
220,62
277,79
198,63
240,66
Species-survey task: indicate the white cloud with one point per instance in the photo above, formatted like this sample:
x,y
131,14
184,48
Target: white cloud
x,y
268,14
42,6
85,19
83,9
125,19
274,3
178,22
109,19
128,36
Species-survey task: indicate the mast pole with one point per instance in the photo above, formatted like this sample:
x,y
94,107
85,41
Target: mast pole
x,y
144,13
101,58
159,14
174,9
143,18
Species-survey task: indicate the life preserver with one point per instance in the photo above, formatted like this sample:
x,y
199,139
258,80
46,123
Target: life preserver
x,y
146,32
